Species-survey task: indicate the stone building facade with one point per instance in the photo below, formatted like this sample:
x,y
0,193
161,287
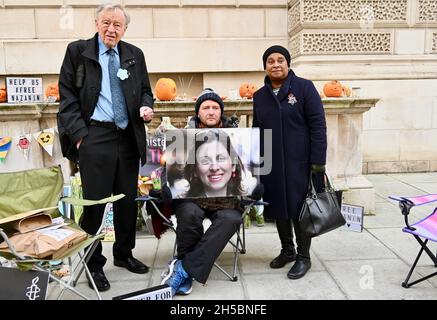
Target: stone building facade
x,y
386,49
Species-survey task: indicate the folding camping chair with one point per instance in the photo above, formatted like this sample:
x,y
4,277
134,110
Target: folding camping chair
x,y
423,230
239,246
41,188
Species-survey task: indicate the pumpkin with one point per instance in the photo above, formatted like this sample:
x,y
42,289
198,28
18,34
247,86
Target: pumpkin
x,y
3,95
52,90
347,92
333,89
165,89
247,90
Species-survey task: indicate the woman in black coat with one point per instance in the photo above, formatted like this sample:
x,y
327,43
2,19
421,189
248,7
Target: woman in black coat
x,y
291,108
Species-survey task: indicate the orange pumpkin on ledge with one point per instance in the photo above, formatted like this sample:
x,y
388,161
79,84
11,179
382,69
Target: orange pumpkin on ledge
x,y
52,90
3,94
247,90
165,89
333,89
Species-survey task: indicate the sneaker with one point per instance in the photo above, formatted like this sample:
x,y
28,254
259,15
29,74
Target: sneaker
x,y
186,287
166,271
176,276
260,220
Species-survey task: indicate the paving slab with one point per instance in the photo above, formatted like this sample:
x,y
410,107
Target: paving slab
x,y
347,245
316,285
403,245
386,189
413,178
376,280
261,249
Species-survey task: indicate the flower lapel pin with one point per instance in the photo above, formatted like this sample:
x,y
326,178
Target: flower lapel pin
x,y
292,99
122,74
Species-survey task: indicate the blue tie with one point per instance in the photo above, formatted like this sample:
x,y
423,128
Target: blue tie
x,y
118,102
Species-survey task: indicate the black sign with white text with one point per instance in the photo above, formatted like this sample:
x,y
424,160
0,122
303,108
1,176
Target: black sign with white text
x,y
23,285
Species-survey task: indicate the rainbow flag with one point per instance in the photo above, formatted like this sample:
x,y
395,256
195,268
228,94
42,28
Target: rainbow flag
x,y
5,145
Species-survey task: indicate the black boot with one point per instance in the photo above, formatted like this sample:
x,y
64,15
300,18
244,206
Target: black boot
x,y
286,256
300,268
288,252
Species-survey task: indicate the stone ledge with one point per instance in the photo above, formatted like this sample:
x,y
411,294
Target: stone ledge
x,y
376,167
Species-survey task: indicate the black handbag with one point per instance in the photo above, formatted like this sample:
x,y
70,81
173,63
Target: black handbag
x,y
321,212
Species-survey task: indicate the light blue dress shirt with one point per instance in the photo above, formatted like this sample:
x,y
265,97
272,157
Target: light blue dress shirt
x,y
104,110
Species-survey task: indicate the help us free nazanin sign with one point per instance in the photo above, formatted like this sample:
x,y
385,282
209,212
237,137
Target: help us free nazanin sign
x,y
24,89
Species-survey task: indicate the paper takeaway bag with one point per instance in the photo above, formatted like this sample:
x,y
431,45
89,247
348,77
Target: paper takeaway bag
x,y
45,243
30,220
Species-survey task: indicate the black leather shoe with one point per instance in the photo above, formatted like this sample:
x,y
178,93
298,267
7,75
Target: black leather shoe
x,y
300,268
131,264
283,258
100,280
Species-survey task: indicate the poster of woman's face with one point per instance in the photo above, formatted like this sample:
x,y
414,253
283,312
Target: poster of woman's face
x,y
204,163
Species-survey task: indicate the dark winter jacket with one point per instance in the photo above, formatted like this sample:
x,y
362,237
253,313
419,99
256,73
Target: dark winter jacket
x,y
79,88
297,120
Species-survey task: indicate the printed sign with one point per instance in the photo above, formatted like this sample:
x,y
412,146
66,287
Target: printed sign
x,y
353,216
24,90
23,285
161,292
212,162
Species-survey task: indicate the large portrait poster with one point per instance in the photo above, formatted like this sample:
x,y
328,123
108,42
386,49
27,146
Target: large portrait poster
x,y
203,163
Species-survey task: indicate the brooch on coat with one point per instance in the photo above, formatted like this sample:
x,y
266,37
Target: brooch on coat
x,y
122,74
292,99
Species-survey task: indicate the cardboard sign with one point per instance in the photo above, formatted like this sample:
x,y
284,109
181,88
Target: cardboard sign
x,y
23,285
24,90
353,216
162,292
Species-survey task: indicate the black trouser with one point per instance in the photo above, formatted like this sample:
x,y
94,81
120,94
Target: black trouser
x,y
109,164
285,231
198,250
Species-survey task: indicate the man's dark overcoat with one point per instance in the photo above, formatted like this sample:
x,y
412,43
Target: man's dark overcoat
x,y
79,87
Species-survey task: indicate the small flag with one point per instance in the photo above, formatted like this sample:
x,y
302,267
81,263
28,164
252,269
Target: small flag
x,y
24,144
5,145
46,138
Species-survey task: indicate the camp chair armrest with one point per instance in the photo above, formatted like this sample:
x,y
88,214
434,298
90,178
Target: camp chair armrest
x,y
405,206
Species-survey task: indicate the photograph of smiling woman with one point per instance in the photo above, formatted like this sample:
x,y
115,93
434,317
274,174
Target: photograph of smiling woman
x,y
213,167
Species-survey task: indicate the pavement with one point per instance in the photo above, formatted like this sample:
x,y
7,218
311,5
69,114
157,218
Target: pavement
x,y
346,265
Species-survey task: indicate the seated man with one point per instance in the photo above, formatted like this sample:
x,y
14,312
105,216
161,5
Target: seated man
x,y
196,250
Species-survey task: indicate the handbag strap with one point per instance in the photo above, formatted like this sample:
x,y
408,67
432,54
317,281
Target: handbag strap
x,y
312,190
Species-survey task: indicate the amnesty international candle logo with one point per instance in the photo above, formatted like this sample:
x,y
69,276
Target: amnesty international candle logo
x,y
24,90
33,290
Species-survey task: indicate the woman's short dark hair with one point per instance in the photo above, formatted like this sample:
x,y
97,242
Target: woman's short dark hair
x,y
206,136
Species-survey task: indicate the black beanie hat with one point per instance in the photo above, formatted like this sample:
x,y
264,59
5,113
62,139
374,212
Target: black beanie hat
x,y
208,94
276,49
